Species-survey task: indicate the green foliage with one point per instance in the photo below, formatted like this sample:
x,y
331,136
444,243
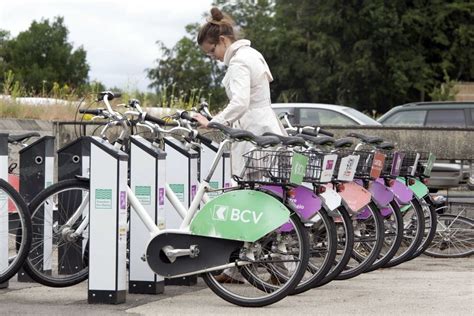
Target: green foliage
x,y
42,56
446,91
184,74
371,55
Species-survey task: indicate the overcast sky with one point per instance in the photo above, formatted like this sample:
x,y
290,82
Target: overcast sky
x,y
119,36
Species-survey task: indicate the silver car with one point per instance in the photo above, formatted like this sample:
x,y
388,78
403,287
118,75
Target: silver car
x,y
323,114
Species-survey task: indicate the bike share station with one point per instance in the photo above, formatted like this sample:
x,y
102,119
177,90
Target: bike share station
x,y
3,206
73,160
152,172
37,173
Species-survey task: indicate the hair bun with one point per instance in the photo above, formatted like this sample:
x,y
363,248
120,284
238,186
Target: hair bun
x,y
216,14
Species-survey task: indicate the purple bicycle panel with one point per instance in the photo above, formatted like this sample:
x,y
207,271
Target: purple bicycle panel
x,y
403,194
381,196
306,203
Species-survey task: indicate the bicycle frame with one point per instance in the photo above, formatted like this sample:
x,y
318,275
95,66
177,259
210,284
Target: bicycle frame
x,y
186,214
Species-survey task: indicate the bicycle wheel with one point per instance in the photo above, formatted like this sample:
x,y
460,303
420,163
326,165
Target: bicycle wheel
x,y
368,241
393,223
15,231
323,248
268,257
58,255
345,244
454,237
413,231
429,211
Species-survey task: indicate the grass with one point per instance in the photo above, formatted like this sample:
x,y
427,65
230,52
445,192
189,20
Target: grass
x,y
12,110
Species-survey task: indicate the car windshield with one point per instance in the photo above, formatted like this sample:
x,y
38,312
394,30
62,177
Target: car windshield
x,y
361,117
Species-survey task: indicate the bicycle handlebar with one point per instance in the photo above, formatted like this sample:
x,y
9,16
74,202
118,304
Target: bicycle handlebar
x,y
95,112
110,95
319,130
157,120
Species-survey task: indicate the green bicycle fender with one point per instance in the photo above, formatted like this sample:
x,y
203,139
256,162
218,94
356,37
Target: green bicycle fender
x,y
244,215
419,188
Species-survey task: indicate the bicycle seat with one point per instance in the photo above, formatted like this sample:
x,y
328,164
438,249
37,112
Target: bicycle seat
x,y
373,140
237,134
343,142
21,137
386,146
266,141
288,140
320,140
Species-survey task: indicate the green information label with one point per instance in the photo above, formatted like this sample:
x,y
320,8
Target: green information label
x,y
213,185
429,165
103,198
298,168
143,194
178,189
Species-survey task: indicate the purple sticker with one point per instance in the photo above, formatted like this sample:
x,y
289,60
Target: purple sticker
x,y
161,196
193,191
329,164
123,200
227,185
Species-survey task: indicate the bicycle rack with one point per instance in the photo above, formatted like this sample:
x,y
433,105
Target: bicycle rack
x,y
36,173
147,181
73,160
222,176
107,223
3,206
182,177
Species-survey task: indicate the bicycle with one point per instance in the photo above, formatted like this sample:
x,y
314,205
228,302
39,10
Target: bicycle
x,y
454,236
15,220
252,250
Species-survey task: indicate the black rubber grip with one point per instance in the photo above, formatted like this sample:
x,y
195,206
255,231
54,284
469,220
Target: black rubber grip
x,y
204,139
321,131
310,133
154,119
91,111
185,115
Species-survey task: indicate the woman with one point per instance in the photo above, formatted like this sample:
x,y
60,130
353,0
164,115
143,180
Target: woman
x,y
247,84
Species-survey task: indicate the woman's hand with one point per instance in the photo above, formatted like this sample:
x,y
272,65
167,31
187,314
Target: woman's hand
x,y
201,119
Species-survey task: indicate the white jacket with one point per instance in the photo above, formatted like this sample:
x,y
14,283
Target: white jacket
x,y
247,85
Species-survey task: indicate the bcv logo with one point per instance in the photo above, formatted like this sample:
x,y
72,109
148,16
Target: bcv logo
x,y
224,213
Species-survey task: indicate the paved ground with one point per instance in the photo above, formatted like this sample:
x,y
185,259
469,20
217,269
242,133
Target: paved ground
x,y
424,286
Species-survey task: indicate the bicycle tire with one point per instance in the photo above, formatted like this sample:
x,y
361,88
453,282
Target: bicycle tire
x,y
62,274
393,224
345,240
443,237
374,242
321,240
272,296
431,218
15,230
413,233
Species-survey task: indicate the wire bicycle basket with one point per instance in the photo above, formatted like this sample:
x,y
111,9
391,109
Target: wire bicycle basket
x,y
275,166
267,166
409,164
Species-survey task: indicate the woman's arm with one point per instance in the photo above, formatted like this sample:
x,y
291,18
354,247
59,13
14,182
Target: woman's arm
x,y
239,86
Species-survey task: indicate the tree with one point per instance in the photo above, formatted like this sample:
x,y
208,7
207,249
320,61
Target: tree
x,y
42,56
367,54
184,72
4,37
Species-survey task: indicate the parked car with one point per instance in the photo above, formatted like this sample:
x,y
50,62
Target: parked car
x,y
323,114
450,113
